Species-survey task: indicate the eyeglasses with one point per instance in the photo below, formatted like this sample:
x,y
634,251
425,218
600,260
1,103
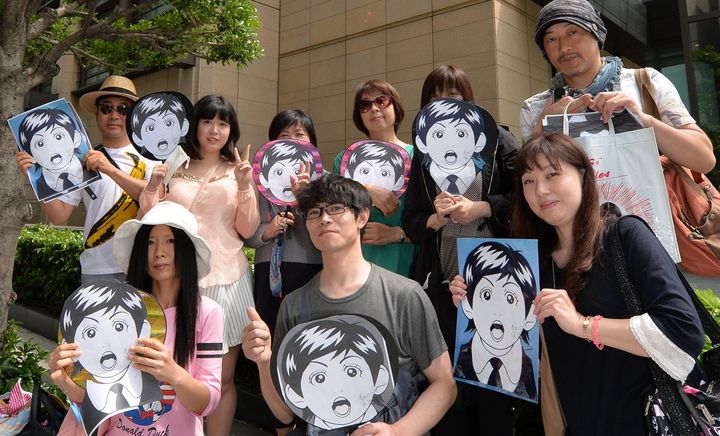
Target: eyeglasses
x,y
381,101
331,209
107,108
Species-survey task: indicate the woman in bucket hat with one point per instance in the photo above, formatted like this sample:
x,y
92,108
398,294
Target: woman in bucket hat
x,y
164,254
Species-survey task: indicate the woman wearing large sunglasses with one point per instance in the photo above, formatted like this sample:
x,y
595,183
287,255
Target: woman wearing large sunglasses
x,y
378,112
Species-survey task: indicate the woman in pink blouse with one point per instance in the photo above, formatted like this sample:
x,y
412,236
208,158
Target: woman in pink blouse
x,y
217,187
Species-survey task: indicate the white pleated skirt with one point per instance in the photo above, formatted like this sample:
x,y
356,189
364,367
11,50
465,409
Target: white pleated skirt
x,y
234,299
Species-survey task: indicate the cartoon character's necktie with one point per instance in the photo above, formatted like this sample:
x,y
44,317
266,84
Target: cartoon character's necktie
x,y
66,183
494,379
120,401
452,187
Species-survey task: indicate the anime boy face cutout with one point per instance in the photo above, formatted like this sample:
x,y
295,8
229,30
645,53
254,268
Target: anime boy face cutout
x,y
276,162
50,137
336,372
106,318
499,301
105,321
159,122
377,163
456,138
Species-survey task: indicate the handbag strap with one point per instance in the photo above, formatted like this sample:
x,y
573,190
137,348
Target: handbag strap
x,y
649,106
668,388
647,96
40,399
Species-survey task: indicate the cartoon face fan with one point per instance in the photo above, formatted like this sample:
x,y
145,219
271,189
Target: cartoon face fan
x,y
105,318
159,122
336,372
55,137
377,163
277,161
456,139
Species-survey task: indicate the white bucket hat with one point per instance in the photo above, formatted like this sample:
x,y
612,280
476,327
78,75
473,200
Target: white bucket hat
x,y
170,214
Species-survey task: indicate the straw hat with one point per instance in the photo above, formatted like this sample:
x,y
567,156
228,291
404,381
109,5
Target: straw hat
x,y
114,85
170,214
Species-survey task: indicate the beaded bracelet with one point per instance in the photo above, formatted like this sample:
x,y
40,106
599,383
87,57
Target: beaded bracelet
x,y
596,332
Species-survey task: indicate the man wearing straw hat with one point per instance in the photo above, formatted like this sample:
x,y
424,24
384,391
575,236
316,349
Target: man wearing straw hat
x,y
570,34
112,199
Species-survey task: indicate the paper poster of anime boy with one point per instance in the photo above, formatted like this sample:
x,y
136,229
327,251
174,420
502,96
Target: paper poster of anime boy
x,y
497,332
106,318
456,138
276,162
336,372
56,140
159,122
377,163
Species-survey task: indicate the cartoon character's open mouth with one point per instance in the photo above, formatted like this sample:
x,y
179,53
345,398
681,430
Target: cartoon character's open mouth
x,y
451,157
56,159
163,145
341,407
287,192
497,331
108,360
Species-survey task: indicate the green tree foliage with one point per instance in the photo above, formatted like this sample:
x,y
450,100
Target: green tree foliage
x,y
119,35
145,34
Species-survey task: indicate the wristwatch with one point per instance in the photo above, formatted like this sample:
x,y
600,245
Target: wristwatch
x,y
402,235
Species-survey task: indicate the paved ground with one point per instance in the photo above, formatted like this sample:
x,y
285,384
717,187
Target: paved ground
x,y
239,428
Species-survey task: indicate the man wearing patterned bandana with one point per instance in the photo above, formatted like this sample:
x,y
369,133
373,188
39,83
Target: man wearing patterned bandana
x,y
570,34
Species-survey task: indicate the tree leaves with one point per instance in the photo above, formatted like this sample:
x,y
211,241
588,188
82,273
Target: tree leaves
x,y
143,34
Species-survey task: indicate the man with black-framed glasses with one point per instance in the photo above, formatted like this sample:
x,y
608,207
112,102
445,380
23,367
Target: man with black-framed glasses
x,y
111,200
336,210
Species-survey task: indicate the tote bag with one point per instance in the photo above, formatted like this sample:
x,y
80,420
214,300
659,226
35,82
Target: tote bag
x,y
630,179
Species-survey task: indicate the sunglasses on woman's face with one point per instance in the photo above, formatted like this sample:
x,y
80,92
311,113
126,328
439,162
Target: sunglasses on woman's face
x,y
381,101
107,108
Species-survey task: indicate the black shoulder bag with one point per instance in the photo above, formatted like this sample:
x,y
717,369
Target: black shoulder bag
x,y
46,413
674,409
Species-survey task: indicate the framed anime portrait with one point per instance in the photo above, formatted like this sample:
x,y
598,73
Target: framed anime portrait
x,y
276,162
377,163
159,122
455,139
54,135
337,372
497,334
106,318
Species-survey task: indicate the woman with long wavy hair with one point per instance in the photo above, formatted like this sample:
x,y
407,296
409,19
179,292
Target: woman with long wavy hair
x,y
597,351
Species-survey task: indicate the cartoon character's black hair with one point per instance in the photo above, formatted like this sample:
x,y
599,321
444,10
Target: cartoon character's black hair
x,y
492,257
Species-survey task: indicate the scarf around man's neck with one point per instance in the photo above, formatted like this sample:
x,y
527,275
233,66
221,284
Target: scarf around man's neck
x,y
608,79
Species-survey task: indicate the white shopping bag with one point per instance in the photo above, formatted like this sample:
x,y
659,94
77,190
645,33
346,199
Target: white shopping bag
x,y
629,176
